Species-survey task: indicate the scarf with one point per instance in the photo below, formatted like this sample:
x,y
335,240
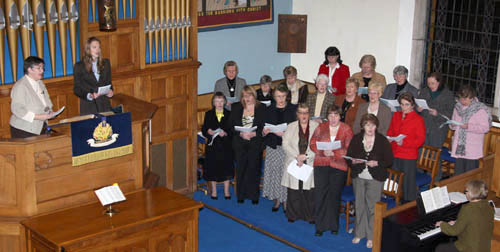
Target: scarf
x,y
466,113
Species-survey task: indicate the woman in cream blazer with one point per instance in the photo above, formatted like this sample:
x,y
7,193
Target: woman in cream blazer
x,y
300,199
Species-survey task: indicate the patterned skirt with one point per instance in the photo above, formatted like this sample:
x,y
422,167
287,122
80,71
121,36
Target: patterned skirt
x,y
273,171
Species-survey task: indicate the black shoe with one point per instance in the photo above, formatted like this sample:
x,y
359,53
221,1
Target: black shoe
x,y
227,197
291,221
213,197
275,209
312,222
318,233
255,202
335,232
240,201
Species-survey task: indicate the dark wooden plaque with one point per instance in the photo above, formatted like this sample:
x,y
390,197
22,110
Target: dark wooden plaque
x,y
292,33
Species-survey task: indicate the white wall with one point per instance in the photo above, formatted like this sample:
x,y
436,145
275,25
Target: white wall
x,y
357,27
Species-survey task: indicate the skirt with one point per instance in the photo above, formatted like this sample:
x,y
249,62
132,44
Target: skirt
x,y
273,171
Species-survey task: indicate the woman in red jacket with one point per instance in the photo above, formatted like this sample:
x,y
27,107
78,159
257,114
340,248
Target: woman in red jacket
x,y
330,170
336,71
407,122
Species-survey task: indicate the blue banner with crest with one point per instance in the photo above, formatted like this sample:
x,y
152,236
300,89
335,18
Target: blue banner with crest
x,y
101,138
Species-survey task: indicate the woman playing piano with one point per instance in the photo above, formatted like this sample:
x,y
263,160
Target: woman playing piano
x,y
474,224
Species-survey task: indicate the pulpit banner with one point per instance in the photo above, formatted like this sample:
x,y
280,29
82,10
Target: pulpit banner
x,y
101,138
221,14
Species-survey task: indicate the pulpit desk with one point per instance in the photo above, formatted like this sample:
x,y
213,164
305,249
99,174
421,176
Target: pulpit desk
x,y
149,220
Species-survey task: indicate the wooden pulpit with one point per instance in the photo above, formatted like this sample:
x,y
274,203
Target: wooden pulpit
x,y
37,176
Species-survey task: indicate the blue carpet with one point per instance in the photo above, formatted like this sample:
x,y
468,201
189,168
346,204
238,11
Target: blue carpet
x,y
218,233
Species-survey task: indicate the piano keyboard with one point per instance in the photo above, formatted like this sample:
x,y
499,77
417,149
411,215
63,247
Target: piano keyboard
x,y
429,233
430,230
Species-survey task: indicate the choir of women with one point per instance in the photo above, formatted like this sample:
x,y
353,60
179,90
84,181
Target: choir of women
x,y
333,114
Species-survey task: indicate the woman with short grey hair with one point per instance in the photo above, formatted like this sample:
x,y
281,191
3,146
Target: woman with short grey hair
x,y
319,102
392,91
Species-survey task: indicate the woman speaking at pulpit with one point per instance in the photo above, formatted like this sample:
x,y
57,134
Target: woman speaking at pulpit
x,y
90,73
30,102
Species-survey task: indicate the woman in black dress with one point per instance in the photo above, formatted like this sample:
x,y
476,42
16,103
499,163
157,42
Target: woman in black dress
x,y
218,154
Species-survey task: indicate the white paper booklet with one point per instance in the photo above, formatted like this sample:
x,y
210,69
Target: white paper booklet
x,y
393,104
276,128
353,159
232,99
454,122
58,112
396,138
217,131
457,197
435,198
245,129
110,194
362,90
329,145
104,90
388,184
422,103
301,173
267,103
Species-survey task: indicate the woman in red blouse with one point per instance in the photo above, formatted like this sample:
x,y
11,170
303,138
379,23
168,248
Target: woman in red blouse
x,y
336,71
330,170
410,124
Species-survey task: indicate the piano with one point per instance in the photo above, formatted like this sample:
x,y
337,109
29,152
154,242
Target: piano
x,y
413,230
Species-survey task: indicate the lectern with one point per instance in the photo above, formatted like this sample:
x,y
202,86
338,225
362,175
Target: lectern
x,y
37,176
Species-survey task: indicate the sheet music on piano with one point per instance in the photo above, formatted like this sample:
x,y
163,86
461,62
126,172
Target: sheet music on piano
x,y
435,198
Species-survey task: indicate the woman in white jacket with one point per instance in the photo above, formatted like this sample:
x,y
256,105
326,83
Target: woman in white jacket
x,y
300,200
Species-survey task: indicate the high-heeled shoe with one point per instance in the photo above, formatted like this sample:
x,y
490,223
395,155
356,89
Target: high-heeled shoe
x,y
275,209
227,197
255,202
213,197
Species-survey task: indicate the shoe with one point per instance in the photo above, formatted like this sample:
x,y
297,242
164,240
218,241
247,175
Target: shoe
x,y
255,202
312,222
335,232
291,221
369,244
213,197
227,197
240,201
275,209
356,240
318,233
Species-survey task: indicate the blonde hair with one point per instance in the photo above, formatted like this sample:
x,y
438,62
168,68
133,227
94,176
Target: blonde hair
x,y
250,91
378,86
368,58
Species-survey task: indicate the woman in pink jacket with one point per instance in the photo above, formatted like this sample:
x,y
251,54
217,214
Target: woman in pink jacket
x,y
475,119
